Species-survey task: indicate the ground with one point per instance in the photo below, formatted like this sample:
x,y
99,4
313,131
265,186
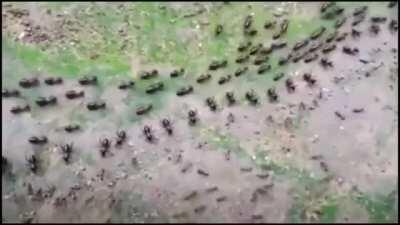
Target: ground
x,y
302,161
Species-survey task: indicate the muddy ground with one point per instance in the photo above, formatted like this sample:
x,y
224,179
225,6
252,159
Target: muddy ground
x,y
292,160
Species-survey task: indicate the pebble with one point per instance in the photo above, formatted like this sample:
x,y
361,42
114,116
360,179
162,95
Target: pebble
x,y
315,138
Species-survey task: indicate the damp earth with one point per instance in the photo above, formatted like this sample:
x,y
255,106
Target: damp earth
x,y
199,112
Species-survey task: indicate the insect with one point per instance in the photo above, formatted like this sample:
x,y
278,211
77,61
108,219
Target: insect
x,y
284,60
357,20
260,59
309,79
190,196
53,80
326,63
203,78
278,45
266,50
177,73
297,57
331,37
246,169
29,82
10,93
300,44
230,97
96,105
241,71
217,64
38,140
350,51
121,137
290,86
71,128
221,198
358,110
284,26
311,58
218,29
248,22
224,79
323,166
269,24
355,33
184,90
251,96
43,101
200,209
212,189
360,10
250,32
263,68
74,94
244,46
141,110
393,25
19,109
186,167
374,28
253,50
32,163
126,85
378,19
104,146
148,133
210,101
278,76
88,80
242,58
341,36
153,88
66,152
340,115
326,5
192,117
317,33
228,155
328,48
340,22
145,75
315,46
167,126
273,97
202,172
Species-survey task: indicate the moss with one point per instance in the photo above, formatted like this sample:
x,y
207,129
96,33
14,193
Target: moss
x,y
381,208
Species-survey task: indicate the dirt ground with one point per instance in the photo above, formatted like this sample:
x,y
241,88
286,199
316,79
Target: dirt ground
x,y
311,156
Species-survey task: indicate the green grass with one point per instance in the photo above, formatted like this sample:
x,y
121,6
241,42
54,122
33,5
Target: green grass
x,y
381,208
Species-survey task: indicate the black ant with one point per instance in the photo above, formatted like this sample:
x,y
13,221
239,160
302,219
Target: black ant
x,y
121,136
167,126
148,133
105,145
290,85
309,79
66,152
192,117
273,97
